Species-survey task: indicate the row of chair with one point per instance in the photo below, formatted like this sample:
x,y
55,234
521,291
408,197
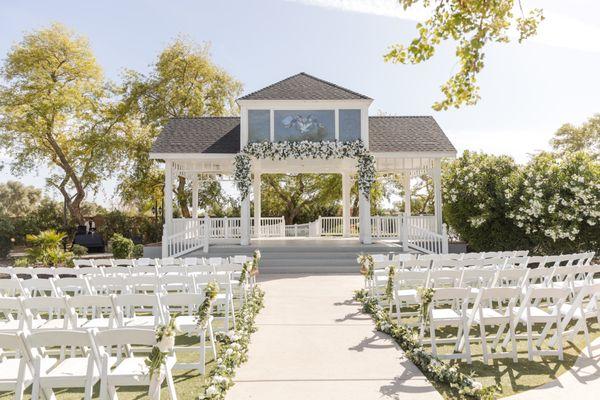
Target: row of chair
x,y
47,360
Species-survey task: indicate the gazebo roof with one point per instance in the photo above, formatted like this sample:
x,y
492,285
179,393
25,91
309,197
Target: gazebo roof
x,y
303,86
221,135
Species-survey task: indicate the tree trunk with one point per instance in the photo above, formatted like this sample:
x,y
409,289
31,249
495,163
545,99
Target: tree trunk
x,y
182,198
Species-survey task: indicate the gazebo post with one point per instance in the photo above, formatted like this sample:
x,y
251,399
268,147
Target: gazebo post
x,y
346,184
437,190
364,205
168,206
195,197
245,221
257,203
407,193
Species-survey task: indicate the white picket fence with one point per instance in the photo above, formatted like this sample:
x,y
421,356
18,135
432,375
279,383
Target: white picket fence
x,y
269,227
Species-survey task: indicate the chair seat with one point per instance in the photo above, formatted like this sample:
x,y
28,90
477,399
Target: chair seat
x,y
97,323
188,323
448,314
408,295
9,371
71,372
10,326
566,308
143,321
58,323
490,316
537,314
133,371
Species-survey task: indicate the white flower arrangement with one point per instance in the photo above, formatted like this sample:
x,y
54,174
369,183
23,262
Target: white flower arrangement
x,y
165,343
303,150
434,368
233,348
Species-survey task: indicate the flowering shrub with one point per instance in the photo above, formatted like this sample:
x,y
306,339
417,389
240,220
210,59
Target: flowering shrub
x,y
550,205
476,204
557,203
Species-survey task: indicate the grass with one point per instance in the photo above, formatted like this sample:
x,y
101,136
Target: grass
x,y
508,376
189,384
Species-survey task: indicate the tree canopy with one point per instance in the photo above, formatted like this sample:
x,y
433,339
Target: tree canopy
x,y
586,137
473,25
56,109
182,82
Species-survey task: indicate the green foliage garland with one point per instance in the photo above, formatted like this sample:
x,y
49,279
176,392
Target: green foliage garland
x,y
233,348
464,386
203,313
426,296
302,150
165,342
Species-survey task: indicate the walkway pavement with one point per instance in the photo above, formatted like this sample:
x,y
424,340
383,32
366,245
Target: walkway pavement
x,y
581,382
313,343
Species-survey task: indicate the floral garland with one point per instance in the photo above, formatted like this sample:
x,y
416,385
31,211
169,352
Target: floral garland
x,y
165,343
203,313
432,367
247,266
367,265
233,348
302,150
389,287
426,296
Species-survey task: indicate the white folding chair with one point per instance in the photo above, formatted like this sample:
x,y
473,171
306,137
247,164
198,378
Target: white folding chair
x,y
15,366
117,270
172,270
224,308
138,311
450,317
72,286
109,285
122,262
476,279
199,269
511,277
516,262
444,264
92,312
138,270
415,265
521,253
144,262
444,278
189,261
406,284
39,287
11,287
85,263
146,284
177,283
163,262
471,256
72,369
585,306
495,307
240,259
215,261
102,262
48,313
14,317
183,307
401,257
66,272
532,312
123,353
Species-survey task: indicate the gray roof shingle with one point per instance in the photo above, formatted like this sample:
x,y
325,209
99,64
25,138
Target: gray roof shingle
x,y
303,86
221,135
410,133
199,135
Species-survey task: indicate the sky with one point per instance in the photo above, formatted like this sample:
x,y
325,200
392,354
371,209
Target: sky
x,y
528,90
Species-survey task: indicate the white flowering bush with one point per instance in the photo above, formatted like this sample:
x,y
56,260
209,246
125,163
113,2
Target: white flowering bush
x,y
556,201
476,204
302,150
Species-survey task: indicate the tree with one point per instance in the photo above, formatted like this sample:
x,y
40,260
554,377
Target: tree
x,y
17,200
586,137
55,108
473,24
183,82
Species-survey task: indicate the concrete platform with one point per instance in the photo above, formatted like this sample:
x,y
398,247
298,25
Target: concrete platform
x,y
314,343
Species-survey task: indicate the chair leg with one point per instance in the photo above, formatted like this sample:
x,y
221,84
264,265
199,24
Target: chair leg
x,y
171,385
587,339
512,331
467,342
211,336
432,334
560,339
35,388
529,340
484,345
202,352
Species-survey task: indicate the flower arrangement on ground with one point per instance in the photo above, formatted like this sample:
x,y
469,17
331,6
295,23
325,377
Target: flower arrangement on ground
x,y
464,386
233,347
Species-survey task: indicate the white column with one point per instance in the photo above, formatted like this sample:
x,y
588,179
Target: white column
x,y
364,205
167,207
407,193
346,185
195,197
437,188
245,221
257,203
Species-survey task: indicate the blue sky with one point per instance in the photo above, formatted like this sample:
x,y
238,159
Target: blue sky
x,y
527,90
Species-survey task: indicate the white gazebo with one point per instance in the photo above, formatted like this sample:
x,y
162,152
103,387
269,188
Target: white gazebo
x,y
302,124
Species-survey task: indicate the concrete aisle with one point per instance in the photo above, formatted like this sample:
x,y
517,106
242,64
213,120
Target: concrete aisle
x,y
313,343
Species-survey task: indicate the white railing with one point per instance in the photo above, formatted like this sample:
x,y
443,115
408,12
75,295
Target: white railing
x,y
331,226
225,228
388,226
269,227
425,240
427,222
184,242
297,230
